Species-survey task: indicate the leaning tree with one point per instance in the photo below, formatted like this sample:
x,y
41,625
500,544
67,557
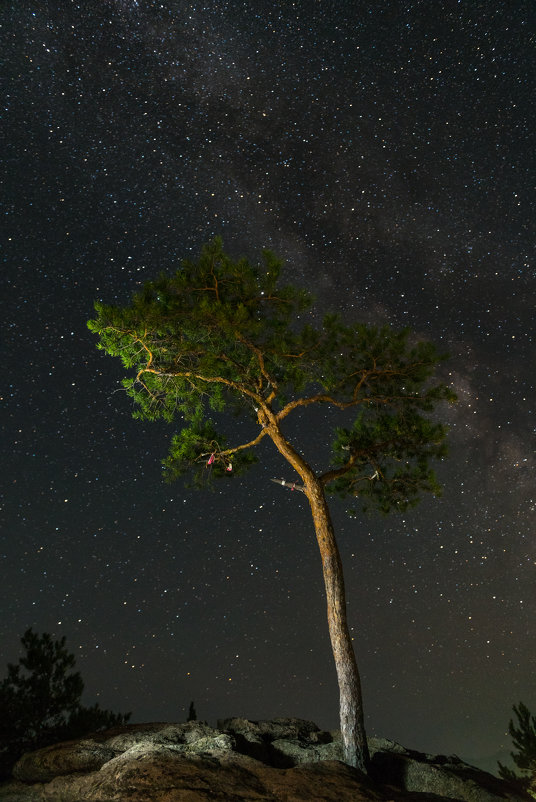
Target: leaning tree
x,y
224,334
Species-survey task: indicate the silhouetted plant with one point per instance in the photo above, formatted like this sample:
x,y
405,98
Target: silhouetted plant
x,y
524,739
40,701
192,715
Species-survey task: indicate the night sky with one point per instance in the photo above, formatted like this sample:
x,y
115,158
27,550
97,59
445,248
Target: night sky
x,y
386,151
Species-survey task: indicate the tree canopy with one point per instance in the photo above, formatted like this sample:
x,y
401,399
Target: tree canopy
x,y
222,334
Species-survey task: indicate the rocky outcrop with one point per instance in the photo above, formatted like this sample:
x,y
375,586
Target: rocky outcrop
x,y
282,742
253,761
446,777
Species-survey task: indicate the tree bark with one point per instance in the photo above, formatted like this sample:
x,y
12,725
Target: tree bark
x,y
352,723
353,733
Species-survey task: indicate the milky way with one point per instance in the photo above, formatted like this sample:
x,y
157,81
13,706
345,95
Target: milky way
x,y
386,151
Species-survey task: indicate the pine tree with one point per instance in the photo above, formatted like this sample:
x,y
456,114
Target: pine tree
x,y
224,335
40,700
524,739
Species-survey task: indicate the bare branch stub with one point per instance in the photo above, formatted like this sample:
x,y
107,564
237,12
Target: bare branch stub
x,y
290,485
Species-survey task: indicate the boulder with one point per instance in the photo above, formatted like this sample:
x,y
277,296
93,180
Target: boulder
x,y
273,741
284,760
91,753
247,736
158,733
65,758
270,730
445,777
285,754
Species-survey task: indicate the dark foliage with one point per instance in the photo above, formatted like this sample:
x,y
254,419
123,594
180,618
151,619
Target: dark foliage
x,y
40,701
524,739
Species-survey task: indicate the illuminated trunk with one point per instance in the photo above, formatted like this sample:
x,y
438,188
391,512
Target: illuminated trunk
x,y
353,734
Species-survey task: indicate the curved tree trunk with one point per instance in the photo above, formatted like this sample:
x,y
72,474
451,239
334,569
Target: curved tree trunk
x,y
351,701
353,734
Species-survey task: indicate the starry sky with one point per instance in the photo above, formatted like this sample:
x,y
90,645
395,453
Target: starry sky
x,y
385,150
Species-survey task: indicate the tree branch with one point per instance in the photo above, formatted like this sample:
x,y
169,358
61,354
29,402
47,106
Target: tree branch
x,y
330,476
189,374
251,444
322,398
262,365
